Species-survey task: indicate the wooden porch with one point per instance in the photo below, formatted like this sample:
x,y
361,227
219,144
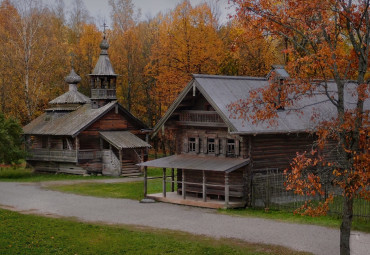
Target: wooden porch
x,y
63,155
175,198
200,181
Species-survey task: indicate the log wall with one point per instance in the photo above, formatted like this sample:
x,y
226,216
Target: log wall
x,y
276,151
89,138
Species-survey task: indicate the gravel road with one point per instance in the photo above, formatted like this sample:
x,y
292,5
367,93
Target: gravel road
x,y
315,239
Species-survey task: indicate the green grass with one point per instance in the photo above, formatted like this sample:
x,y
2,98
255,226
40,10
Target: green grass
x,y
130,190
326,221
29,234
22,174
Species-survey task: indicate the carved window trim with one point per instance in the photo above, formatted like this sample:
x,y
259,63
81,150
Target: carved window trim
x,y
192,146
230,148
211,145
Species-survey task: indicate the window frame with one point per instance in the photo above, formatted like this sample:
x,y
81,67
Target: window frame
x,y
192,144
211,145
230,147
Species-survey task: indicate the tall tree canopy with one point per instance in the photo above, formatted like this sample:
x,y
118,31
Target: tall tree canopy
x,y
327,40
187,43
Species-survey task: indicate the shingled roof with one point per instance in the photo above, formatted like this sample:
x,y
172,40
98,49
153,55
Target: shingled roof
x,y
71,124
220,91
71,97
103,66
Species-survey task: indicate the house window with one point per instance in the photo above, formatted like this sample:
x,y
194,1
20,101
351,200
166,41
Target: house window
x,y
211,145
192,144
230,148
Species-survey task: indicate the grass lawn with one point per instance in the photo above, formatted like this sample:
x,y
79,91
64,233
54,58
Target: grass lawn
x,y
327,221
22,174
29,234
131,190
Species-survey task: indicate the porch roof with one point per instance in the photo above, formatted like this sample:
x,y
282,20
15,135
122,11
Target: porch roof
x,y
123,139
195,162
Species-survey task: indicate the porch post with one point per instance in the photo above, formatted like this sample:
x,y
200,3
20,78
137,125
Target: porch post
x,y
226,190
164,182
120,160
77,147
173,179
204,187
183,184
145,181
245,183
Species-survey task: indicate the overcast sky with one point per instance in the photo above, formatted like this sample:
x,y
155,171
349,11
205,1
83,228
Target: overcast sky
x,y
100,9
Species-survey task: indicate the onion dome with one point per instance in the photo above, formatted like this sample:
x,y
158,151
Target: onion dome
x,y
103,66
71,97
72,77
104,46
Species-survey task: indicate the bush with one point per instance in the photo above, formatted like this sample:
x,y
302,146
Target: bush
x,y
10,141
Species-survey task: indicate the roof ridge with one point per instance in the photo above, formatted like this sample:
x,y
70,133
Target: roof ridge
x,y
229,77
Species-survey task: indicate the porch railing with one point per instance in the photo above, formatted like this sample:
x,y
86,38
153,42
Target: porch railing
x,y
89,154
52,155
200,116
103,93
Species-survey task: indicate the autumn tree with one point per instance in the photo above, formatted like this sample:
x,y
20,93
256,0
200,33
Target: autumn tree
x,y
7,10
247,51
78,17
34,50
127,42
188,43
329,43
85,53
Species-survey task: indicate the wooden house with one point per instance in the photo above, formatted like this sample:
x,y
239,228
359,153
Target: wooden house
x,y
216,154
79,135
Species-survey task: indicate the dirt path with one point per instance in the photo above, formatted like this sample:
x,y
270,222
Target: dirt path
x,y
315,239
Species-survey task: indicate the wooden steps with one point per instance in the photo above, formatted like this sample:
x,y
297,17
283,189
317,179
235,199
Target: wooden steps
x,y
129,168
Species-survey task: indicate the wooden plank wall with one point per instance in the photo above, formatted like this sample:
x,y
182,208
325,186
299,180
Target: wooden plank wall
x,y
277,151
89,138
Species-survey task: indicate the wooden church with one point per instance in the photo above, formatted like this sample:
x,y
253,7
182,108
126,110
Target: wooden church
x,y
81,135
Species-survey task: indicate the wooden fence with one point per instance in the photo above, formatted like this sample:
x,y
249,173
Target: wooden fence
x,y
268,191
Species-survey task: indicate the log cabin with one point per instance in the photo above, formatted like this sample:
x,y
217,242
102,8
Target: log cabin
x,y
216,153
82,135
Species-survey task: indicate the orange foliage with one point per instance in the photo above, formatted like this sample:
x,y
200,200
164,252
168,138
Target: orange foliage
x,y
326,39
187,43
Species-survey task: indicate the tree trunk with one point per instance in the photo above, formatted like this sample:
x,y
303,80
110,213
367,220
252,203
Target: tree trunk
x,y
345,228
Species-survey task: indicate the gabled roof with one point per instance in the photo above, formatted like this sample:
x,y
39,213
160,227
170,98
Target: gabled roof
x,y
71,124
220,91
123,139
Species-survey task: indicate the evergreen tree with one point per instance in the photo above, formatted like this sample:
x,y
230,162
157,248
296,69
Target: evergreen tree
x,y
10,141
